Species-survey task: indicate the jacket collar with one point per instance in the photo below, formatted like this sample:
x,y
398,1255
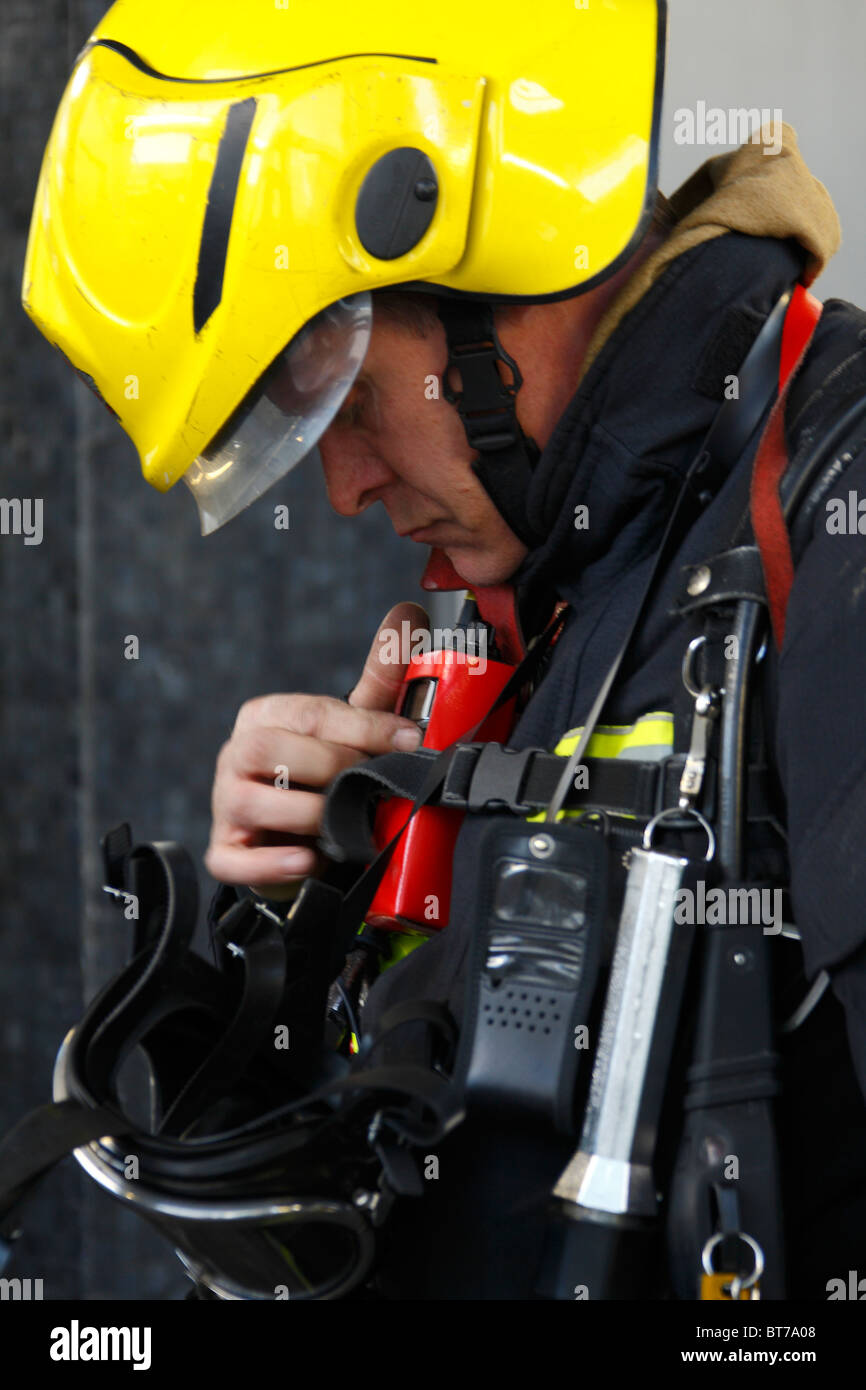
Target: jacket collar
x,y
605,482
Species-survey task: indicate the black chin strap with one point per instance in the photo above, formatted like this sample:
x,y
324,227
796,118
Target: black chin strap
x,y
486,406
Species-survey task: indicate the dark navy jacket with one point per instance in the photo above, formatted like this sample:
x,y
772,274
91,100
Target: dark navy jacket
x,y
622,448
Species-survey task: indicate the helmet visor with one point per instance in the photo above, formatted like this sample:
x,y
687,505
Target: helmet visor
x,y
284,415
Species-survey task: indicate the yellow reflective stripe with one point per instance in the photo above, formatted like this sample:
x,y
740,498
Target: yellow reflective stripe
x,y
649,738
402,945
402,942
650,732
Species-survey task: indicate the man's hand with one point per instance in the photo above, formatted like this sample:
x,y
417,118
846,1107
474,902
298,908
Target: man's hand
x,y
266,810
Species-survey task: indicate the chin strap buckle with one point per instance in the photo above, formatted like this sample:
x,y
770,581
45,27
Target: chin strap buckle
x,y
486,402
486,406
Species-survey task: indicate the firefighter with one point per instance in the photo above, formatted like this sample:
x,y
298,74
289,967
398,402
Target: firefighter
x,y
441,257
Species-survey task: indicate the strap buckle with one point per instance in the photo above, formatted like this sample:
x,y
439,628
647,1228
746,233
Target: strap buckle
x,y
497,779
486,402
670,766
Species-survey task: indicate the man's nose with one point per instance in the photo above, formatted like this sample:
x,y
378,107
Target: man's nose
x,y
355,475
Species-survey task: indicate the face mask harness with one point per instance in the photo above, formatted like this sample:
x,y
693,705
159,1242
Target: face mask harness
x,y
486,406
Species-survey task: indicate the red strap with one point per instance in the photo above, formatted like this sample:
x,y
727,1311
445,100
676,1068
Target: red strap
x,y
771,461
497,604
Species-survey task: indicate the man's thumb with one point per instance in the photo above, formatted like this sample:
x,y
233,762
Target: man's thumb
x,y
389,656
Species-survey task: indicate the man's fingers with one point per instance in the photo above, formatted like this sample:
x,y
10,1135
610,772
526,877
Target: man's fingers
x,y
261,865
282,747
388,657
249,806
283,759
321,717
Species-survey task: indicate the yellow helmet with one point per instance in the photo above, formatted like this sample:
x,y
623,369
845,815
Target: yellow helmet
x,y
225,185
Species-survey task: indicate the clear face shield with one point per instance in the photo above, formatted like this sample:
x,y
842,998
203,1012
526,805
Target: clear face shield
x,y
284,415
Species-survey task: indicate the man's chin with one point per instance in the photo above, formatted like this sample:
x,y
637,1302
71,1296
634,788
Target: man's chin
x,y
480,570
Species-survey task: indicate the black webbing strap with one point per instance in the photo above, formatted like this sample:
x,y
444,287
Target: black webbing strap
x,y
263,958
486,405
732,427
487,777
361,894
43,1137
162,875
730,1087
429,1011
36,1144
758,385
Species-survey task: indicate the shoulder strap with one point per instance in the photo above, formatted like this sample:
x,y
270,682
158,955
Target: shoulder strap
x,y
771,462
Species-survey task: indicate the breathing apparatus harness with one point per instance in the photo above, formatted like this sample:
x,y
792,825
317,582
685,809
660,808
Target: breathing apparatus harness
x,y
723,1231
270,1160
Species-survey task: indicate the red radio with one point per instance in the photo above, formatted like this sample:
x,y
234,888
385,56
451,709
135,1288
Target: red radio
x,y
446,693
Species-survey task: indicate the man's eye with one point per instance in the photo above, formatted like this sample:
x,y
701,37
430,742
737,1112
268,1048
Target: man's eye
x,y
352,409
349,415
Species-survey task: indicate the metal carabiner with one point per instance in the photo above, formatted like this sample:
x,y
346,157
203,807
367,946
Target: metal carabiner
x,y
681,815
688,665
738,1283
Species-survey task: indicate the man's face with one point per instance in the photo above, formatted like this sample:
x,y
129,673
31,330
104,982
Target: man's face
x,y
392,443
397,441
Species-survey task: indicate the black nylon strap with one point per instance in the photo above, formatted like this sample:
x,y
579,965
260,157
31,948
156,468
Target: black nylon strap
x,y
487,776
429,1011
730,431
486,406
758,384
264,967
40,1140
359,897
170,931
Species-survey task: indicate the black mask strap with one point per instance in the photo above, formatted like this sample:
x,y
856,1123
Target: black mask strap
x,y
486,405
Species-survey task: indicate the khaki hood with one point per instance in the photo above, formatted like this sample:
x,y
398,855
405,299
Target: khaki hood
x,y
762,195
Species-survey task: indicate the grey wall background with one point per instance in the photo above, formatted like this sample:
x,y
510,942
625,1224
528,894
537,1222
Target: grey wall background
x,y
807,60
89,738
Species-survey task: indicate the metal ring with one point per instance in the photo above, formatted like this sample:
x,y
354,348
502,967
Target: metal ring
x,y
738,1283
681,814
688,665
603,819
